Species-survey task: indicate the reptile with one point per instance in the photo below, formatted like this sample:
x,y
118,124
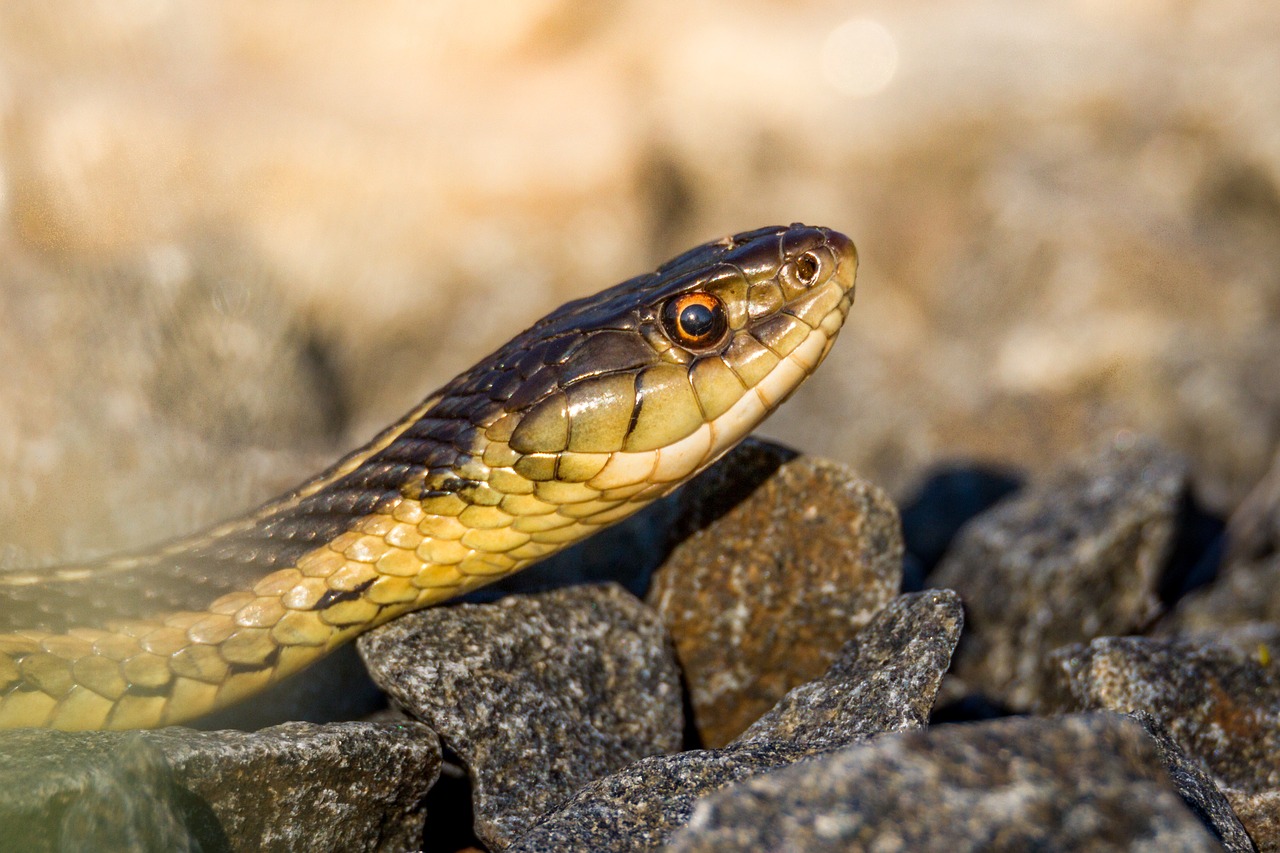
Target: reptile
x,y
604,405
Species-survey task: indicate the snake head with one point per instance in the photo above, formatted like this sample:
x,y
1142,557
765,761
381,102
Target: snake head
x,y
651,380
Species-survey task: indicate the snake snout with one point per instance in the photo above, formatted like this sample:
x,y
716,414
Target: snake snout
x,y
846,257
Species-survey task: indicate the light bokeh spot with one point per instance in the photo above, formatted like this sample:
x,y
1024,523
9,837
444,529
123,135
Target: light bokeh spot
x,y
860,57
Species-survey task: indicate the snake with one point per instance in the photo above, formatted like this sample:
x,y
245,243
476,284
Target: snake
x,y
603,406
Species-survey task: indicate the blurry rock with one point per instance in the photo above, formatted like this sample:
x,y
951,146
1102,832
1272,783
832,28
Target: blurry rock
x,y
1075,556
1196,787
1072,783
1246,592
780,561
1257,640
536,695
196,390
126,800
343,786
1219,705
1254,530
885,680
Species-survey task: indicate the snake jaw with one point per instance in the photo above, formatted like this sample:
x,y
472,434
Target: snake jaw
x,y
577,423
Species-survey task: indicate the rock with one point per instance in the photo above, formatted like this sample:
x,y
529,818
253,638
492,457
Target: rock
x,y
1072,783
884,680
1196,788
1073,557
638,807
1254,529
340,786
1259,811
1247,592
1221,707
780,560
127,801
536,695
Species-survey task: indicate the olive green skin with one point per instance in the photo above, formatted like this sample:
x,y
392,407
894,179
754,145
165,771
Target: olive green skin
x,y
583,419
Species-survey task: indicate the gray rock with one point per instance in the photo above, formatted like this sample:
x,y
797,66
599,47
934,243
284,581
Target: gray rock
x,y
340,786
1089,782
1222,707
1219,705
779,561
1076,556
884,680
639,807
536,695
1197,788
127,802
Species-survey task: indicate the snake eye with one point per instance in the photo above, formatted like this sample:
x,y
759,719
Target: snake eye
x,y
696,320
807,267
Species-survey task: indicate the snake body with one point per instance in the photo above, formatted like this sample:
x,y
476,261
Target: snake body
x,y
601,407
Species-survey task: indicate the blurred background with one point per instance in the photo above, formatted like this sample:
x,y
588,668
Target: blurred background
x,y
236,238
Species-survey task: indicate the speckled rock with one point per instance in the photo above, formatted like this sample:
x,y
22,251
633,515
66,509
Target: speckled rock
x,y
1197,788
1259,811
883,681
641,805
1074,783
1219,705
780,560
536,695
340,786
1076,556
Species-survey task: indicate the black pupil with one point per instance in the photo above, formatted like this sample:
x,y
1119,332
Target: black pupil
x,y
697,320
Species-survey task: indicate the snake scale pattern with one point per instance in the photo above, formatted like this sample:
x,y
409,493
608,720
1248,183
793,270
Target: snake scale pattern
x,y
598,409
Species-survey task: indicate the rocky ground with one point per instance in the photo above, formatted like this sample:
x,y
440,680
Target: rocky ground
x,y
1080,670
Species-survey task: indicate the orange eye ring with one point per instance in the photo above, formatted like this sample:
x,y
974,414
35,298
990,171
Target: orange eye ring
x,y
695,320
